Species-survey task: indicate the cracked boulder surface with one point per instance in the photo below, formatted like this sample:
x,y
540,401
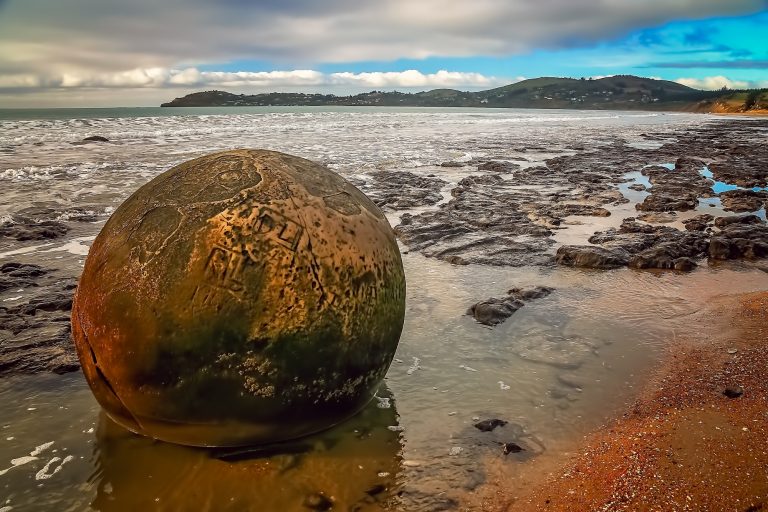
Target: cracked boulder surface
x,y
242,297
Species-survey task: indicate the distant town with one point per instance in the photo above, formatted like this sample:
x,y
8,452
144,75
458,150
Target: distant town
x,y
621,92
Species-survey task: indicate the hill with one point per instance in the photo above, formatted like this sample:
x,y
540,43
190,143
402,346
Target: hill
x,y
621,92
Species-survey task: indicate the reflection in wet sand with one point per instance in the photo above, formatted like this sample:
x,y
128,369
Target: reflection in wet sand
x,y
354,464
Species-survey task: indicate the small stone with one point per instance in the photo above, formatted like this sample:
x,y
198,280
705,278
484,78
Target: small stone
x,y
733,391
508,448
489,425
732,350
375,489
318,501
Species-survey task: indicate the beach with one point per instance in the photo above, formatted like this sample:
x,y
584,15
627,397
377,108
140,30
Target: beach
x,y
592,280
696,437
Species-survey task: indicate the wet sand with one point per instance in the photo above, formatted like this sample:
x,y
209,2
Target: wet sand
x,y
683,444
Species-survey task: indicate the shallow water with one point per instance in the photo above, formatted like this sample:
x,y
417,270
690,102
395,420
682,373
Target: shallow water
x,y
556,369
712,205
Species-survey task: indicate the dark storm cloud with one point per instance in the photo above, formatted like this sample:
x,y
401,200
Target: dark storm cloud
x,y
69,40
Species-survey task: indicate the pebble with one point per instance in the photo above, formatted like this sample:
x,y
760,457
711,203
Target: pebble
x,y
508,448
318,501
733,391
489,425
375,489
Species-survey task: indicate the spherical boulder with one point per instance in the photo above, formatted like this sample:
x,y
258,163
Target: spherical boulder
x,y
243,297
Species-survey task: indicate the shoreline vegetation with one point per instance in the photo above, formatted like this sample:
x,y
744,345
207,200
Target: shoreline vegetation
x,y
620,92
696,438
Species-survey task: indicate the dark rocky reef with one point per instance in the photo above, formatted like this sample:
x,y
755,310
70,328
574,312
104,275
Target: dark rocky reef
x,y
699,222
23,229
591,256
746,239
399,190
494,311
44,223
35,335
484,223
741,201
741,165
498,167
495,220
677,189
645,246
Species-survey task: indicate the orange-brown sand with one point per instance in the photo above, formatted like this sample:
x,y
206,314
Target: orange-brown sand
x,y
683,445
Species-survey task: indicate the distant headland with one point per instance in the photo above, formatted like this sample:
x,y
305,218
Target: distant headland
x,y
620,92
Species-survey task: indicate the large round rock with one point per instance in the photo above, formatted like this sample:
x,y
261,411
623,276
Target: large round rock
x,y
242,297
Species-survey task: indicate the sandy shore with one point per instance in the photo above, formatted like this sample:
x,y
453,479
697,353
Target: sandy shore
x,y
683,445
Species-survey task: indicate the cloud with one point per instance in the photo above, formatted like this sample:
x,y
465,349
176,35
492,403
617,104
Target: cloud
x,y
712,83
295,78
700,35
262,80
95,36
722,64
413,78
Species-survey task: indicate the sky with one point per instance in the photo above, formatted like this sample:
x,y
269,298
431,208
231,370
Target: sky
x,y
78,53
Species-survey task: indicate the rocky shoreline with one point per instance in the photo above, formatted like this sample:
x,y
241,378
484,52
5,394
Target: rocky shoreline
x,y
494,220
499,213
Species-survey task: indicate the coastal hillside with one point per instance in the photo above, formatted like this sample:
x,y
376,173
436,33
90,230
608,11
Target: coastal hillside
x,y
621,92
733,102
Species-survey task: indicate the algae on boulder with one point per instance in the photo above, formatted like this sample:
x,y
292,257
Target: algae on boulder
x,y
241,297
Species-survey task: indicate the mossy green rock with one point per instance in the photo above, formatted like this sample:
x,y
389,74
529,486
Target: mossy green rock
x,y
239,298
